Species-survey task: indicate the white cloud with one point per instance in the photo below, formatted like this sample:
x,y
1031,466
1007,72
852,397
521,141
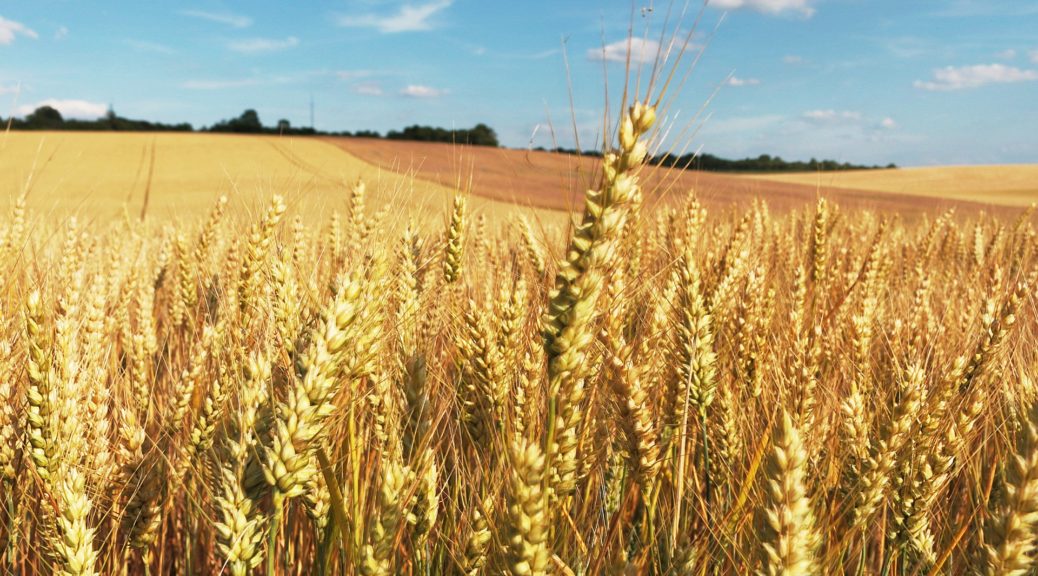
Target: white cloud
x,y
9,29
736,81
1007,54
145,46
888,123
642,51
420,91
792,59
801,7
963,77
61,33
262,45
409,18
1033,55
368,89
69,108
830,116
232,20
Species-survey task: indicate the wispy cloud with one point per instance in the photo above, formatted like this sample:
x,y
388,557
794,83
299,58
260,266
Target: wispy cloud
x,y
792,59
10,89
1033,54
737,82
263,45
409,18
295,77
830,116
9,30
219,84
61,33
82,109
905,47
146,46
226,18
642,51
353,74
801,7
1008,54
888,123
964,77
553,51
368,89
421,91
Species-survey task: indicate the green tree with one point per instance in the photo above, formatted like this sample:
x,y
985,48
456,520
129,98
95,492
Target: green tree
x,y
249,121
45,117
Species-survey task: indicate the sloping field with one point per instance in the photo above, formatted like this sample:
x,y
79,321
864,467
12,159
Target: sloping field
x,y
166,175
558,180
181,175
1010,185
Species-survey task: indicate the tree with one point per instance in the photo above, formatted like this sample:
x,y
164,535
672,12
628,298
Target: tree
x,y
249,121
482,135
45,117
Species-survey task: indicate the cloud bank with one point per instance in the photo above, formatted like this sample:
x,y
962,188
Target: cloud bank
x,y
965,77
80,109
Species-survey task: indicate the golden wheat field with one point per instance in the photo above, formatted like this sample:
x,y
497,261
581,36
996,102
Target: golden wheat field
x,y
277,389
166,176
1009,185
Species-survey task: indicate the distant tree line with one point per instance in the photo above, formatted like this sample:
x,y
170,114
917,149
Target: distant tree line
x,y
762,163
479,135
48,118
249,123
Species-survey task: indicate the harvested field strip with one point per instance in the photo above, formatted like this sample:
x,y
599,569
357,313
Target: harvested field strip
x,y
557,181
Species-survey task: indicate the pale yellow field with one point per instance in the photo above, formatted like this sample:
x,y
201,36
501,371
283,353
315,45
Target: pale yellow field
x,y
1009,185
104,175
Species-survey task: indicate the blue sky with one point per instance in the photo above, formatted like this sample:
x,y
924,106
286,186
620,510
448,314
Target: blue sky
x,y
914,82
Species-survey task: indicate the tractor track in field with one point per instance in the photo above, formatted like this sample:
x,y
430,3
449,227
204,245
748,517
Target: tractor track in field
x,y
151,175
302,164
146,164
141,163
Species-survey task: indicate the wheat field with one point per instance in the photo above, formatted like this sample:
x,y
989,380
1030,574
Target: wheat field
x,y
646,391
1007,185
100,177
